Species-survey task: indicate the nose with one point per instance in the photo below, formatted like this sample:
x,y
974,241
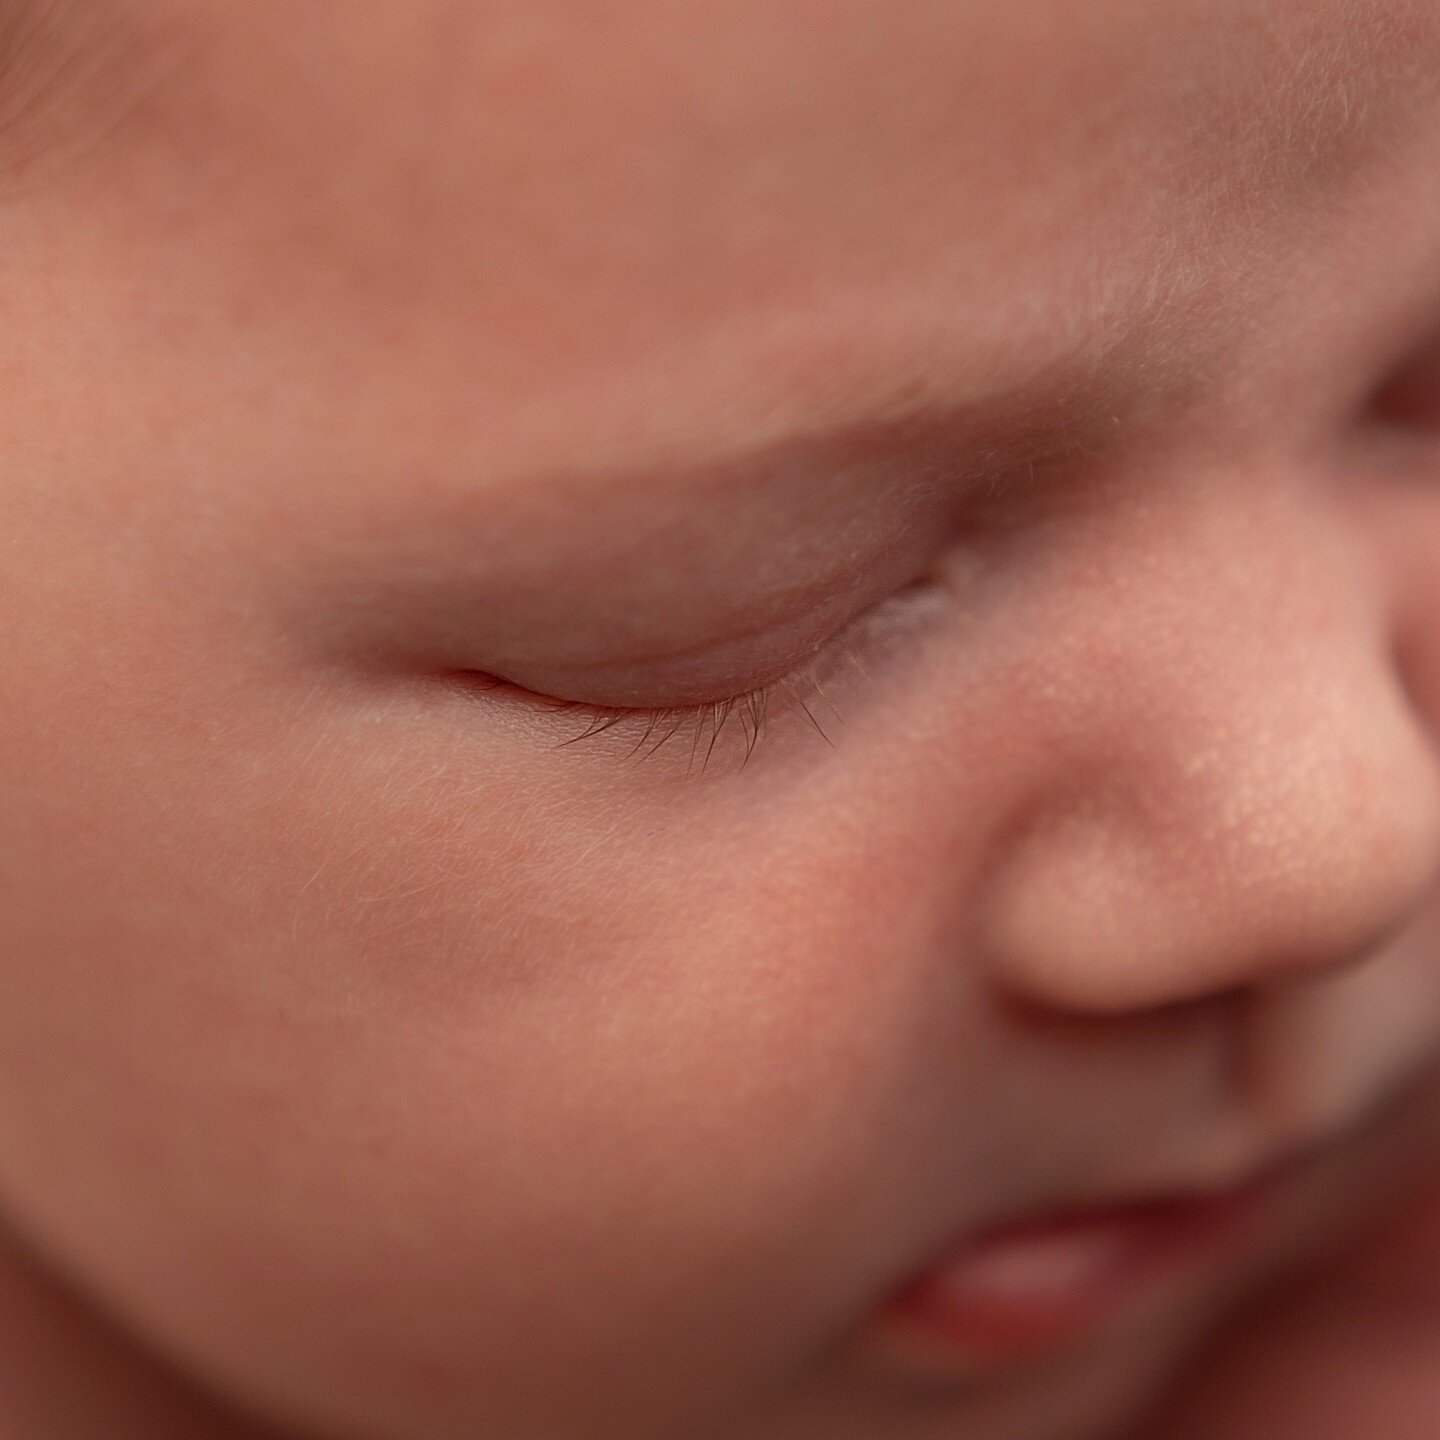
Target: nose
x,y
1248,798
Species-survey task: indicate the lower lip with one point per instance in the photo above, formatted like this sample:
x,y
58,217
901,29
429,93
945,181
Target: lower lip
x,y
1028,1289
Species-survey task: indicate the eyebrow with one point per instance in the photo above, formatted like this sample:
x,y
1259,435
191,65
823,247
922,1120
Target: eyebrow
x,y
969,436
982,443
71,71
930,458
911,435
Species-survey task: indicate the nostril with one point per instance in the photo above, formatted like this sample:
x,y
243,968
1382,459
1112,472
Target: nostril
x,y
1409,399
1037,1016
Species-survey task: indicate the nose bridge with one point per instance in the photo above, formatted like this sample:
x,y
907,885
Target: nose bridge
x,y
1246,798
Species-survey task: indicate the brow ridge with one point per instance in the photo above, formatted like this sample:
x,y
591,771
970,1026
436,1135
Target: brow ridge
x,y
71,72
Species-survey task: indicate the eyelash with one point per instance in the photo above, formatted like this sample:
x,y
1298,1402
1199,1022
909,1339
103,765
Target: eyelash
x,y
803,693
754,711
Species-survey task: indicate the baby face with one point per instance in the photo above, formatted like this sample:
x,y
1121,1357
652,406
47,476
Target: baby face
x,y
664,661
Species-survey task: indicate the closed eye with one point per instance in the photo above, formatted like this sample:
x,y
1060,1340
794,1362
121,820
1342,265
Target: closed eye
x,y
692,730
805,698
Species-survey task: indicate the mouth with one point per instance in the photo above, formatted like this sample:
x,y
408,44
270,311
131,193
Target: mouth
x,y
1027,1288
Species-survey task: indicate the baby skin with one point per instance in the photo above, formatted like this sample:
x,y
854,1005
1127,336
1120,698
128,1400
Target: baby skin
x,y
686,683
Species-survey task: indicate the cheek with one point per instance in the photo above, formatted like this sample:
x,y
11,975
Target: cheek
x,y
490,1078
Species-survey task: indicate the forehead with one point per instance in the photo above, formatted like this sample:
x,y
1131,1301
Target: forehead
x,y
727,124
902,197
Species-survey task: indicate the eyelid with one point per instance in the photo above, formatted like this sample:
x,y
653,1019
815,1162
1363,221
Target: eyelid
x,y
697,675
805,692
648,729
762,638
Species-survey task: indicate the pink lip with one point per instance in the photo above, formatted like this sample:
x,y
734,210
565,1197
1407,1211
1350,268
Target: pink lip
x,y
1028,1288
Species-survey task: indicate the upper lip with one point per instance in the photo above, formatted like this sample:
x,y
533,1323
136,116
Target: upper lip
x,y
1232,1172
1259,1169
1134,1205
1216,1185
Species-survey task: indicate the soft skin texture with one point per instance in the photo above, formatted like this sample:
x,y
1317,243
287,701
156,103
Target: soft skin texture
x,y
1038,393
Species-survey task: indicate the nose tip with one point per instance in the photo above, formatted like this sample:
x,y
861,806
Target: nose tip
x,y
1253,862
